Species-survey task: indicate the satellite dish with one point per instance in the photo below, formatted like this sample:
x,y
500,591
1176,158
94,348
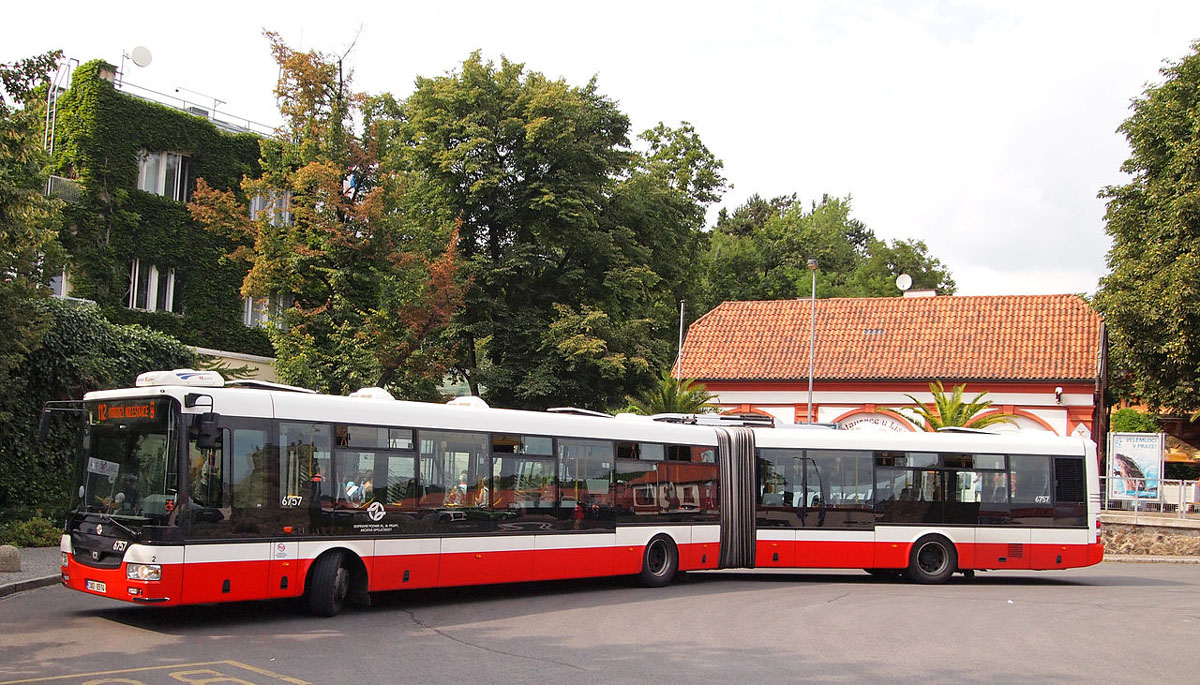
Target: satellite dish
x,y
141,56
904,282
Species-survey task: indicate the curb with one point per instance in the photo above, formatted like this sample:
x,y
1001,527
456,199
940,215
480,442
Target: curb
x,y
1149,559
23,585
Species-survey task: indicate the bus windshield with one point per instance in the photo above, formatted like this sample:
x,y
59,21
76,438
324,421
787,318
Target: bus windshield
x,y
128,462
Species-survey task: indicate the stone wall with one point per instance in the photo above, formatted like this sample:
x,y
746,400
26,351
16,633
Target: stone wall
x,y
1122,538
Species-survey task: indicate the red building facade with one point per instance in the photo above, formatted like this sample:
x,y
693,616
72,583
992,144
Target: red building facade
x,y
1040,357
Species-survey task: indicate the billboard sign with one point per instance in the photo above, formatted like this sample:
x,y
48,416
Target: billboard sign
x,y
1135,465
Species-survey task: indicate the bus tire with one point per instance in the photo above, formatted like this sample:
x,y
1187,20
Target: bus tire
x,y
933,559
660,561
329,584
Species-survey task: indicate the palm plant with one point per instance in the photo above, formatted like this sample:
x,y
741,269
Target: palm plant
x,y
673,396
952,410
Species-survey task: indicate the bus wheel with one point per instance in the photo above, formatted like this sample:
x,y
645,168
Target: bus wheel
x,y
885,573
329,583
933,559
660,561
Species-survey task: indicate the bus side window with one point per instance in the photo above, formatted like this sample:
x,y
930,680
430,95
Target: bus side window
x,y
1030,481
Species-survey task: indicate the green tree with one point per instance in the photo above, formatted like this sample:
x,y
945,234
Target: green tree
x,y
1130,420
373,288
760,251
875,275
673,396
1151,297
575,245
951,410
29,221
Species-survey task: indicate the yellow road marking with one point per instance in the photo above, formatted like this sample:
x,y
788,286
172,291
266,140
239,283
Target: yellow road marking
x,y
178,668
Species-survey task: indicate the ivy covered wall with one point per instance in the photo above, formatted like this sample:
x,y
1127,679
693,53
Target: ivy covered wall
x,y
98,135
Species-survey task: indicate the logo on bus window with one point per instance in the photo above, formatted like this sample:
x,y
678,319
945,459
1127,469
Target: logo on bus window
x,y
375,511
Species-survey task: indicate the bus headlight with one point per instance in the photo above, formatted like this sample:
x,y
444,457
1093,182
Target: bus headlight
x,y
64,559
143,571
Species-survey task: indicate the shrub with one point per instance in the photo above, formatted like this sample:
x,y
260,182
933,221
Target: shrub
x,y
1130,420
35,532
81,351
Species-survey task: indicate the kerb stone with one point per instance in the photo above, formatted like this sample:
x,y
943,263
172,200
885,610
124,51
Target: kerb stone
x,y
10,559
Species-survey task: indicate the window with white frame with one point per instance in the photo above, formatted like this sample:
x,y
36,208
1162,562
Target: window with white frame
x,y
277,202
165,173
153,288
263,311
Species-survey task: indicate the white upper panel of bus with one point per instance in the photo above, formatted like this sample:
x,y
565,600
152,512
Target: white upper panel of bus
x,y
977,443
294,406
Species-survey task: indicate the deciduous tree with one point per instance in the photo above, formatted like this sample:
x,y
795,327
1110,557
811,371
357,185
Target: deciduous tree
x,y
760,251
29,221
577,245
372,287
1151,297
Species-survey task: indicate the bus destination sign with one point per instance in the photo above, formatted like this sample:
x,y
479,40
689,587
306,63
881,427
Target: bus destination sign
x,y
128,411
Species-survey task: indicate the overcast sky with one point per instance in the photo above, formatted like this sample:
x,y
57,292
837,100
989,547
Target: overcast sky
x,y
985,129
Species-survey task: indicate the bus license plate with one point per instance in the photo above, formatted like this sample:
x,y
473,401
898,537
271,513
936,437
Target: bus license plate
x,y
96,586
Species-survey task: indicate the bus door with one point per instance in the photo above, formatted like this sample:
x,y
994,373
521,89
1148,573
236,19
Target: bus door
x,y
231,506
735,458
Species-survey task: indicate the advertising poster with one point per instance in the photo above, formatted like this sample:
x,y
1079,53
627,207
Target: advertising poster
x,y
1135,463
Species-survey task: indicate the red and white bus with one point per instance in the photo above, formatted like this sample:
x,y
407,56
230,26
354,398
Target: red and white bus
x,y
192,490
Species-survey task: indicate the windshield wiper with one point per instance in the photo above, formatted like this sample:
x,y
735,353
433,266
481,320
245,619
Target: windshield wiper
x,y
136,535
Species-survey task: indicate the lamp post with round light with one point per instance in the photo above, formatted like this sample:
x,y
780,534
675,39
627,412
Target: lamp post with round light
x,y
812,333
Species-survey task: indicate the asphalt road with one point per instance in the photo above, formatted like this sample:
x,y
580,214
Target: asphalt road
x,y
1112,623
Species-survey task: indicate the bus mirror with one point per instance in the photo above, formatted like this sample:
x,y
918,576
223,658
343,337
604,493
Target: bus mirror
x,y
205,430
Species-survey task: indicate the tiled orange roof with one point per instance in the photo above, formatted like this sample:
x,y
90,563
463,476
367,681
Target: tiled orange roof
x,y
1004,337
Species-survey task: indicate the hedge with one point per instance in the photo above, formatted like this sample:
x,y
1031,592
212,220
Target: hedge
x,y
82,351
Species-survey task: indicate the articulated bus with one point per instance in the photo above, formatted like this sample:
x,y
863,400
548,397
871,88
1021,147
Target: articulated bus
x,y
191,490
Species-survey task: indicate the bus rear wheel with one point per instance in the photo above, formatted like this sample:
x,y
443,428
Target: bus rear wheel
x,y
660,561
933,559
329,584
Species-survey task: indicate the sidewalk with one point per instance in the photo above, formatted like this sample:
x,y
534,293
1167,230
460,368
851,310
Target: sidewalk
x,y
1150,559
40,566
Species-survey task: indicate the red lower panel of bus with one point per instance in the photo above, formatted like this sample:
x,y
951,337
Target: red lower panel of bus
x,y
693,557
113,584
251,580
833,554
405,572
225,581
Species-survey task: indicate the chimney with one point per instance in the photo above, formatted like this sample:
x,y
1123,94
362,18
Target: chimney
x,y
930,292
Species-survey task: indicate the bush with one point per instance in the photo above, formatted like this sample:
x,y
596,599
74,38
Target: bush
x,y
81,351
1130,420
35,532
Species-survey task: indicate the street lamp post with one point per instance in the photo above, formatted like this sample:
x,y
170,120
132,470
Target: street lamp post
x,y
812,333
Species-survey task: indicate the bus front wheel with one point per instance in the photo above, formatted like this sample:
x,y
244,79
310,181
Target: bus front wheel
x,y
933,559
660,561
329,584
